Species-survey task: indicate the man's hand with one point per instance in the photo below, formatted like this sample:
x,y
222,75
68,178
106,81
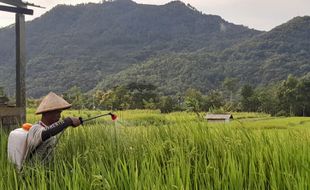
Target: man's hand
x,y
75,121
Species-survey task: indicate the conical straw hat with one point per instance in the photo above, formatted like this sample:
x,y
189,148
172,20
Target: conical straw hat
x,y
52,102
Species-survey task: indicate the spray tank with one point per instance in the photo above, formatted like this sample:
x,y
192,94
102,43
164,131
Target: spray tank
x,y
17,145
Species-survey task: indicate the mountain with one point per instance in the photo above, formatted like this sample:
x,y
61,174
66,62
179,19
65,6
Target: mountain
x,y
274,55
268,57
88,43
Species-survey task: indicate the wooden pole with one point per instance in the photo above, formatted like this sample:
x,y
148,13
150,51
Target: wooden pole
x,y
20,10
20,65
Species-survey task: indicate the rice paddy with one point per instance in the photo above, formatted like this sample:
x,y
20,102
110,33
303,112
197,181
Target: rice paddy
x,y
144,149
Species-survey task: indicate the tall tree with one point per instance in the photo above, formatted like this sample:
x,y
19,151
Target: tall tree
x,y
231,84
303,96
214,99
287,94
194,100
249,101
268,100
166,104
142,94
75,96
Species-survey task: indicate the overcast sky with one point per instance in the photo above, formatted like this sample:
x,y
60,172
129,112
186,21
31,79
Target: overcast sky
x,y
258,14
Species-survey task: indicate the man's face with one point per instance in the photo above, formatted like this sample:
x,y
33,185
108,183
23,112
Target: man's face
x,y
52,116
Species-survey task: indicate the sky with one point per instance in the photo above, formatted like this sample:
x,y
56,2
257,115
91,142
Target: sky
x,y
257,14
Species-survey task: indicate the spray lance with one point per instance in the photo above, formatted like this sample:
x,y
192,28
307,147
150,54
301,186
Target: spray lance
x,y
113,117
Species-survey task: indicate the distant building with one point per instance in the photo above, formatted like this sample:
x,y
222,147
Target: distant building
x,y
225,118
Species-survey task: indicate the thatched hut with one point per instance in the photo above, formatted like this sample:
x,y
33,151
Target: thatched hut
x,y
225,118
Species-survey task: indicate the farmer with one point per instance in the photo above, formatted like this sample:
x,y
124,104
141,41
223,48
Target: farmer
x,y
41,138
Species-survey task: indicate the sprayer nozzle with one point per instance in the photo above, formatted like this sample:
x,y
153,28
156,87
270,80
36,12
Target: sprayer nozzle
x,y
113,116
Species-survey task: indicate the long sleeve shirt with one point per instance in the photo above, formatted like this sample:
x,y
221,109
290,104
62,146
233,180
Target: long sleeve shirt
x,y
41,139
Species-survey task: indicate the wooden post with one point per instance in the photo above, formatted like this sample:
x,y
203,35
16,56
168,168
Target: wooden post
x,y
20,10
20,65
13,116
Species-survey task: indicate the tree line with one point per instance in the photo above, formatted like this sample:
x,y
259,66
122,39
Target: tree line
x,y
290,97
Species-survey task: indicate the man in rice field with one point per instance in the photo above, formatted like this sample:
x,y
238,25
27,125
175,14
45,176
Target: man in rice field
x,y
41,138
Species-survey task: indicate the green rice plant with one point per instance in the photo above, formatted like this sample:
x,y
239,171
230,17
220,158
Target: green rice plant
x,y
149,150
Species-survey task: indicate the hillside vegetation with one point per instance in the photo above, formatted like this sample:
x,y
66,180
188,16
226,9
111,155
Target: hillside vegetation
x,y
173,46
82,45
261,60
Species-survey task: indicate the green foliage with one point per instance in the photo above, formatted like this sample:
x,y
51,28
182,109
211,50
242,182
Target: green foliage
x,y
166,104
214,100
287,98
75,97
180,49
148,150
232,106
141,95
32,103
194,100
303,96
220,110
294,96
130,96
268,100
69,46
231,85
117,98
249,101
264,59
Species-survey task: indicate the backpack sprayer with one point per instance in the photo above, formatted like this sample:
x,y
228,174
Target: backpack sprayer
x,y
17,142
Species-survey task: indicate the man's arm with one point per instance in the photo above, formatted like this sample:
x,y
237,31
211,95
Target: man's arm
x,y
56,128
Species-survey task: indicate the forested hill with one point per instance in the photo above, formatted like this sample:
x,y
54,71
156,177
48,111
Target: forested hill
x,y
82,45
274,55
263,59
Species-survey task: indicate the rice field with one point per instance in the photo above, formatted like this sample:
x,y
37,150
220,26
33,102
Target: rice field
x,y
144,149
